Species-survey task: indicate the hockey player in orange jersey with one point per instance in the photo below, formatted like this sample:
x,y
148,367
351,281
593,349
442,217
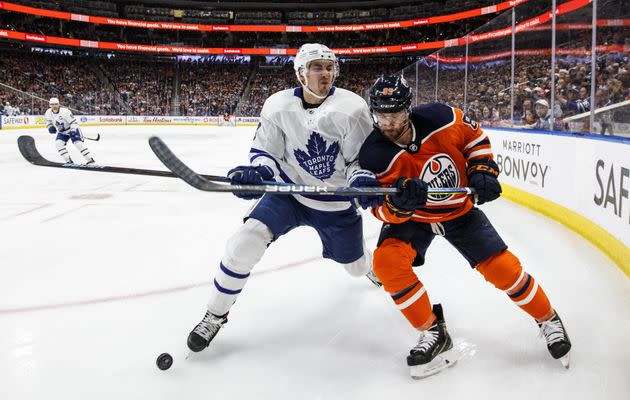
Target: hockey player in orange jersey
x,y
435,145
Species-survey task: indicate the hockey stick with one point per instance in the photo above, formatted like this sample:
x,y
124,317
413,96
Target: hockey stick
x,y
180,169
96,139
29,151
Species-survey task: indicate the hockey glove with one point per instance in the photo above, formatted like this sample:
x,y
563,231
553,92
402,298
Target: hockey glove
x,y
75,135
52,129
482,176
412,195
364,178
249,175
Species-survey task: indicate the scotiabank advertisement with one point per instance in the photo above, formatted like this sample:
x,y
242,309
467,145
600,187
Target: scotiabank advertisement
x,y
102,119
586,175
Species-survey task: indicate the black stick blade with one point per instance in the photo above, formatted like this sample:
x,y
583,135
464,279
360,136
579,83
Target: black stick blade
x,y
172,162
95,139
27,147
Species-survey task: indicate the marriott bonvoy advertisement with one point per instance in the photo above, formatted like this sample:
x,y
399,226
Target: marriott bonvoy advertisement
x,y
588,176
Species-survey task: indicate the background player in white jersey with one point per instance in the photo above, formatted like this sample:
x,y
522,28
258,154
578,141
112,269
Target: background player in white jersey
x,y
61,121
308,135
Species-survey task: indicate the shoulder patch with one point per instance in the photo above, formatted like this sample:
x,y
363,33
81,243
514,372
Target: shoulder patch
x,y
470,122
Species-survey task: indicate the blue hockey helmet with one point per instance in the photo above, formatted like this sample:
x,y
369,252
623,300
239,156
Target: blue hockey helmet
x,y
389,94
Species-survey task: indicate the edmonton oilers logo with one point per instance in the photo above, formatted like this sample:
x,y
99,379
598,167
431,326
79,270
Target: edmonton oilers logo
x,y
439,171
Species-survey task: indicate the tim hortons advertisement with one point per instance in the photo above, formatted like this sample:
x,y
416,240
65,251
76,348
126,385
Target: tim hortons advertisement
x,y
149,120
586,175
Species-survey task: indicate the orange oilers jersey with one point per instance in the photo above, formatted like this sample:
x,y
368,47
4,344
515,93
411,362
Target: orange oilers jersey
x,y
444,141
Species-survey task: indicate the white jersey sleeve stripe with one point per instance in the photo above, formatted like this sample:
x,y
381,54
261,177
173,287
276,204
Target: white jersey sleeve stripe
x,y
474,142
482,152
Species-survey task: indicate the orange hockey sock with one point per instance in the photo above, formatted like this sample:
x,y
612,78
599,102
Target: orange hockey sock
x,y
415,305
393,266
504,271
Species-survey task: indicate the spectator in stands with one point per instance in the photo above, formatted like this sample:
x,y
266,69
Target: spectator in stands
x,y
529,120
486,116
574,104
43,75
543,121
602,98
615,90
527,105
583,94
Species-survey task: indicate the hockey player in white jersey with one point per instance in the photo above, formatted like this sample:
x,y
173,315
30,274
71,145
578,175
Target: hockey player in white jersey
x,y
309,135
61,121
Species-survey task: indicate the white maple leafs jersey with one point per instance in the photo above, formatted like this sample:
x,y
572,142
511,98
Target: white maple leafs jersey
x,y
64,120
315,146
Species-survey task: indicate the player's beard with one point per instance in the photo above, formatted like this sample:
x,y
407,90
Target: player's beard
x,y
396,134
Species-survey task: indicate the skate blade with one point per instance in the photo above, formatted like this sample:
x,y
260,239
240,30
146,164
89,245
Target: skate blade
x,y
566,360
441,362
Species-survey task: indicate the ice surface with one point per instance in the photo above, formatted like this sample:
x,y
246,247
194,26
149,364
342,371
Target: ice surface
x,y
100,273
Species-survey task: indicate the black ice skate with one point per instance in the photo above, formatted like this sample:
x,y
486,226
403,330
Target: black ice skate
x,y
205,331
373,278
434,351
558,342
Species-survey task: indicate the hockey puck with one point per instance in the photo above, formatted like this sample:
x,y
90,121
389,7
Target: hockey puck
x,y
164,361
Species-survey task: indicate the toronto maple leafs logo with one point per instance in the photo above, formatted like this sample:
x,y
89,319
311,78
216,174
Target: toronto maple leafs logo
x,y
320,159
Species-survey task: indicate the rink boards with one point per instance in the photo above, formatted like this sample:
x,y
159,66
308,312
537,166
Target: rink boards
x,y
582,181
35,121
